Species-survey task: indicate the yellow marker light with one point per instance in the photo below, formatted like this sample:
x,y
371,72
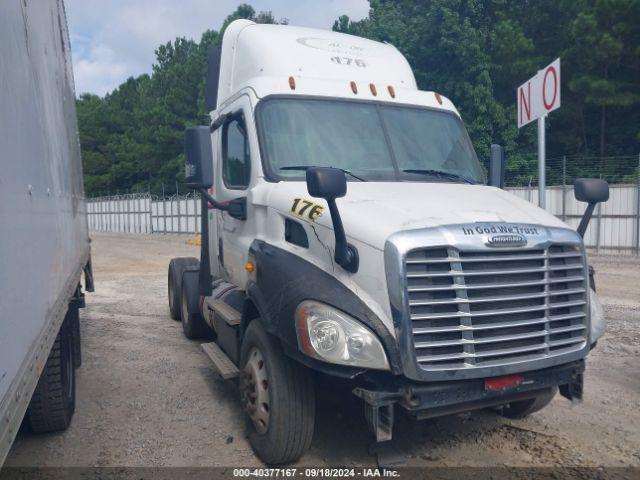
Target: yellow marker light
x,y
249,267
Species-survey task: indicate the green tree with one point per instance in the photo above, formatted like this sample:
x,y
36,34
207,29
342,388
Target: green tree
x,y
132,139
478,52
607,60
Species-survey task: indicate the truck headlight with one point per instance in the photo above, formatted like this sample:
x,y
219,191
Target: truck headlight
x,y
333,336
598,321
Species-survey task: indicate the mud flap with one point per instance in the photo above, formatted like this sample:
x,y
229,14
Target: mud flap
x,y
73,319
88,276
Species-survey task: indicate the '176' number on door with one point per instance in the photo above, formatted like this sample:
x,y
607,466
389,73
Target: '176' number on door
x,y
306,208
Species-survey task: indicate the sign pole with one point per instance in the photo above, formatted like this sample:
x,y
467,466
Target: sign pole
x,y
536,98
542,180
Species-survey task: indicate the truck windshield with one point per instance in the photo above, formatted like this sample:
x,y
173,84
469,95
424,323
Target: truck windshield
x,y
372,141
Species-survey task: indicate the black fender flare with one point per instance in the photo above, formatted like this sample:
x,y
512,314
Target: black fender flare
x,y
284,279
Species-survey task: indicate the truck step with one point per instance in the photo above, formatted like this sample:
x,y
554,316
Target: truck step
x,y
226,312
223,364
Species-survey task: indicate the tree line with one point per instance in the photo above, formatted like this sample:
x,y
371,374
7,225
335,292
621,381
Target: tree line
x,y
473,51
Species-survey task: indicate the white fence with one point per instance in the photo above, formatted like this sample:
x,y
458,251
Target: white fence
x,y
615,225
142,213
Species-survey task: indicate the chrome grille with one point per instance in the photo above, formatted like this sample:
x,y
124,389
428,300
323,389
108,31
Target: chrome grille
x,y
488,308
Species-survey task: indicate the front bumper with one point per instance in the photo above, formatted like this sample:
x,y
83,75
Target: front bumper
x,y
434,399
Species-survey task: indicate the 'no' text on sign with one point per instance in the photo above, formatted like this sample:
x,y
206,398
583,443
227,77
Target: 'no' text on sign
x,y
540,94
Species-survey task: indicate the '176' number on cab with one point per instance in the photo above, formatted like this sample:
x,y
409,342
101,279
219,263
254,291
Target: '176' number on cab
x,y
306,208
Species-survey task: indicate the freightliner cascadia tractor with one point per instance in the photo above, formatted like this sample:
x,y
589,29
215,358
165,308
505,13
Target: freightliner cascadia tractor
x,y
348,231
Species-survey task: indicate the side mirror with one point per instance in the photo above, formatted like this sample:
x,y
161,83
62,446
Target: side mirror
x,y
592,191
496,166
331,183
325,182
198,164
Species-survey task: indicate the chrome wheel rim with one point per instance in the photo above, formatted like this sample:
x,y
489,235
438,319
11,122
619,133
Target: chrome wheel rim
x,y
255,390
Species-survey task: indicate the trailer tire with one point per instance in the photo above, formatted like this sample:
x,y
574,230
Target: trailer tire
x,y
291,398
193,324
177,267
524,408
54,399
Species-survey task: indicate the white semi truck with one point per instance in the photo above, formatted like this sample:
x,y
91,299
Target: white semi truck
x,y
44,242
348,231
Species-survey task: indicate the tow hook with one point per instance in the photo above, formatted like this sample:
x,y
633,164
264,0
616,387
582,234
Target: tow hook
x,y
573,390
378,410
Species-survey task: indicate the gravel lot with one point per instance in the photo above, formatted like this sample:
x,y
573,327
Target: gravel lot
x,y
148,397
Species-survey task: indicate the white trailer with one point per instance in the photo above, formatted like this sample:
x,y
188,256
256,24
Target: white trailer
x,y
44,244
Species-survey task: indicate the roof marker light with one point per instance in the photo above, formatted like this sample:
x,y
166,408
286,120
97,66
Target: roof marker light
x,y
292,83
374,91
392,91
438,98
354,87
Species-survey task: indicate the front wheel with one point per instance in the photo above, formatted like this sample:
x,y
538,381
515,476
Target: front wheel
x,y
278,397
524,408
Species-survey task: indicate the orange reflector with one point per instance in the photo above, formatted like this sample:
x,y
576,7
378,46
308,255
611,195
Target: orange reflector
x,y
354,87
374,92
392,92
292,83
502,383
304,331
249,267
439,98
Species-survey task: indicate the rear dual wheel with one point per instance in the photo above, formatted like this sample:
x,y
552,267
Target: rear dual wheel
x,y
193,324
177,267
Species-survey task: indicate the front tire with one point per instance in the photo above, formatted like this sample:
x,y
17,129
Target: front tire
x,y
278,396
54,399
524,408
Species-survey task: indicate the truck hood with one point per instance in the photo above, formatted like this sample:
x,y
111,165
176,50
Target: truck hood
x,y
372,211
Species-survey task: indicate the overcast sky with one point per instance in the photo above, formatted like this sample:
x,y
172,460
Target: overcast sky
x,y
112,40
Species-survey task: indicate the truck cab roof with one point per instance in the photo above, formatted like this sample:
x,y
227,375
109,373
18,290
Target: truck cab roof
x,y
283,59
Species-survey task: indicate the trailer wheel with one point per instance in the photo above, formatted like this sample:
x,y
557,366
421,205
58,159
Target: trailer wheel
x,y
54,399
278,397
524,408
177,266
193,324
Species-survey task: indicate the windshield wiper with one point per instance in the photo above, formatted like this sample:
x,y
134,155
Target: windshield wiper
x,y
439,173
305,167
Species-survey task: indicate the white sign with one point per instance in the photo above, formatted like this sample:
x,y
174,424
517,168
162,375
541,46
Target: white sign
x,y
540,94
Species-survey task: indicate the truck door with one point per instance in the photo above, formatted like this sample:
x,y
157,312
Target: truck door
x,y
234,177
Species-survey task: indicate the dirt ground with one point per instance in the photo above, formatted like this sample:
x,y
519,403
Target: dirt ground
x,y
147,396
